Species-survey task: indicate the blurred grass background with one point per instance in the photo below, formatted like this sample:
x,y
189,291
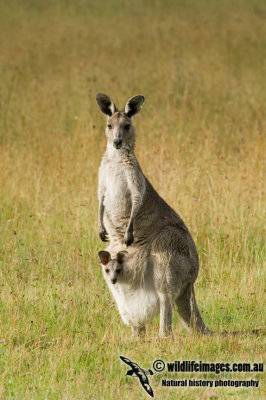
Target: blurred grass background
x,y
201,142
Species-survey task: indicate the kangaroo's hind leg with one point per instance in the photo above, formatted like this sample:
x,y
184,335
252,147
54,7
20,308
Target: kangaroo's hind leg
x,y
138,330
165,314
189,312
167,284
164,290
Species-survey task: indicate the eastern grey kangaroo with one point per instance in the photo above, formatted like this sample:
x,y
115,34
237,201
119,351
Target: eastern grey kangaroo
x,y
131,211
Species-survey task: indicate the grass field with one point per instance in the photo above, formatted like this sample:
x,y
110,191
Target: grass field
x,y
200,141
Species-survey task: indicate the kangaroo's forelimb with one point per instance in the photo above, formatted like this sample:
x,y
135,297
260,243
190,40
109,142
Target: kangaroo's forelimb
x,y
102,230
136,183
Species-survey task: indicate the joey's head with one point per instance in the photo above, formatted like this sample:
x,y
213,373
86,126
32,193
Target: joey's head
x,y
119,128
113,267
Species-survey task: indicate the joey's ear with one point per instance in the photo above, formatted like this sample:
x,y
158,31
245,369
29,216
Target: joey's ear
x,y
134,105
122,256
107,106
104,257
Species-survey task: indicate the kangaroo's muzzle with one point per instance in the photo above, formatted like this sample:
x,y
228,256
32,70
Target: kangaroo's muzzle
x,y
117,143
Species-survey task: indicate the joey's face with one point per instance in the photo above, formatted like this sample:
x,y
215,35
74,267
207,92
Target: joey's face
x,y
113,271
120,131
112,267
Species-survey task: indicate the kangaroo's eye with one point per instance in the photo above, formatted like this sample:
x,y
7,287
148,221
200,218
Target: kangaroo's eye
x,y
109,126
118,271
107,270
127,127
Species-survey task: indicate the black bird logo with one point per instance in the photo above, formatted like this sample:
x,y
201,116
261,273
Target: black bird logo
x,y
139,373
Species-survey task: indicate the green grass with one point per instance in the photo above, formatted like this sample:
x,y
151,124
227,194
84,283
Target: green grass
x,y
200,140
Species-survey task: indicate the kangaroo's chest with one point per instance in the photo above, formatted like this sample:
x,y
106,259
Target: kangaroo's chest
x,y
117,199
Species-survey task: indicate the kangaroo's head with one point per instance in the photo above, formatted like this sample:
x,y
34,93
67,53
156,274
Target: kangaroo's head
x,y
112,267
119,128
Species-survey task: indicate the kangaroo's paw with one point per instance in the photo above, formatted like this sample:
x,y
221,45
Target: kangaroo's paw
x,y
129,238
103,235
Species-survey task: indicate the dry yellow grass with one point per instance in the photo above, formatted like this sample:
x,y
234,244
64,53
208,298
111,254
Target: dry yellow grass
x,y
200,140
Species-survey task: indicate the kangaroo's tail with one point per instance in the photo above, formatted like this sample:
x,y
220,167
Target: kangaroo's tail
x,y
189,312
191,318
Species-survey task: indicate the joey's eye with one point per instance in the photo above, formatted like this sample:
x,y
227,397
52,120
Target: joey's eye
x,y
109,126
107,270
118,271
127,127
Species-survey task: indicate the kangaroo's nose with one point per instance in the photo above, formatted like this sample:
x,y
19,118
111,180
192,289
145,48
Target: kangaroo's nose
x,y
117,143
113,280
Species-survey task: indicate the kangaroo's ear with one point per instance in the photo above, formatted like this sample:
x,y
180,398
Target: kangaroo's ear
x,y
134,105
122,256
107,106
104,257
